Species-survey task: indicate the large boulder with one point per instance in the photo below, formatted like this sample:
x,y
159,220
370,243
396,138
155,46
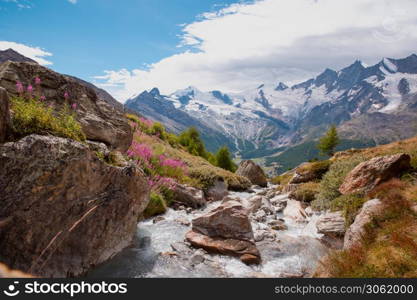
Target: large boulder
x,y
100,121
4,115
253,172
62,209
332,226
229,220
245,250
355,232
369,174
217,191
295,211
189,196
226,230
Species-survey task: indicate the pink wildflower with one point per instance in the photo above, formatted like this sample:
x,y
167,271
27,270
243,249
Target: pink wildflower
x,y
42,98
30,88
74,106
37,81
19,87
66,95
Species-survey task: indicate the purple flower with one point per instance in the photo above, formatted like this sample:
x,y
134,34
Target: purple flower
x,y
19,87
37,81
30,88
42,98
66,95
74,106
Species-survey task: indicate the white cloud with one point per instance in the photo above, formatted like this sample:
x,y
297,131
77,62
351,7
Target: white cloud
x,y
266,41
72,1
35,53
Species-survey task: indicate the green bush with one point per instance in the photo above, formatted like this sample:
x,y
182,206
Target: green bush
x,y
306,192
283,179
159,130
32,116
329,186
349,205
156,205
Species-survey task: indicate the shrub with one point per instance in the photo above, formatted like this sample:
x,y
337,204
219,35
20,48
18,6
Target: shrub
x,y
329,186
282,179
306,192
349,205
31,116
156,205
159,130
317,168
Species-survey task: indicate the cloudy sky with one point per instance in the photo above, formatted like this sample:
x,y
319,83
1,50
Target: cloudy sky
x,y
222,45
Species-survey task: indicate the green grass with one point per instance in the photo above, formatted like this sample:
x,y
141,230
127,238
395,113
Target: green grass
x,y
329,185
156,205
34,117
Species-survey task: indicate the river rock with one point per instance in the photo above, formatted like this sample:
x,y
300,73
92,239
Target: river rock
x,y
369,174
243,249
62,209
278,224
253,172
189,196
355,231
100,121
229,220
4,115
332,226
295,211
218,191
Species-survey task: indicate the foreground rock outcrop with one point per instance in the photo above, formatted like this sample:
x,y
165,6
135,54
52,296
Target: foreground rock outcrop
x,y
225,230
355,232
4,115
100,121
253,172
62,209
369,174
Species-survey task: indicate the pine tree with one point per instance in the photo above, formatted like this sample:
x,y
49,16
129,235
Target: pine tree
x,y
224,160
192,141
329,141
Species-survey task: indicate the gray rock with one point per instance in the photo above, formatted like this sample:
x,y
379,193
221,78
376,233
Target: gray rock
x,y
355,231
218,191
64,210
4,115
189,196
369,174
253,172
100,121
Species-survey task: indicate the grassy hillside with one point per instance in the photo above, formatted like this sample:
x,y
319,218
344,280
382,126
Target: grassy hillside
x,y
389,246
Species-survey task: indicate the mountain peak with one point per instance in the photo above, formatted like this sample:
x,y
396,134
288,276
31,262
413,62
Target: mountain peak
x,y
155,92
281,87
12,55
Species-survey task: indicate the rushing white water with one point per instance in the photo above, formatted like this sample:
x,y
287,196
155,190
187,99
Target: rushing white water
x,y
294,252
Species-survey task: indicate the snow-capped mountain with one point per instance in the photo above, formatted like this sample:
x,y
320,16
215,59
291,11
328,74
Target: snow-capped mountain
x,y
271,116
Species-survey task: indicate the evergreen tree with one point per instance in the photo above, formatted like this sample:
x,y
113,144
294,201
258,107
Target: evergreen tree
x,y
224,160
191,140
329,141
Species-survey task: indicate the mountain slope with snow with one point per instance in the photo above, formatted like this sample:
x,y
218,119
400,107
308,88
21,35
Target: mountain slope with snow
x,y
274,116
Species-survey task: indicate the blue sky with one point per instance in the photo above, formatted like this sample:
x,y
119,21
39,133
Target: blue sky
x,y
128,46
92,35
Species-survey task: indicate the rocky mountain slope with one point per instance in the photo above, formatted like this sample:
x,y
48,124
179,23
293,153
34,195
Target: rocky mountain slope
x,y
369,103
